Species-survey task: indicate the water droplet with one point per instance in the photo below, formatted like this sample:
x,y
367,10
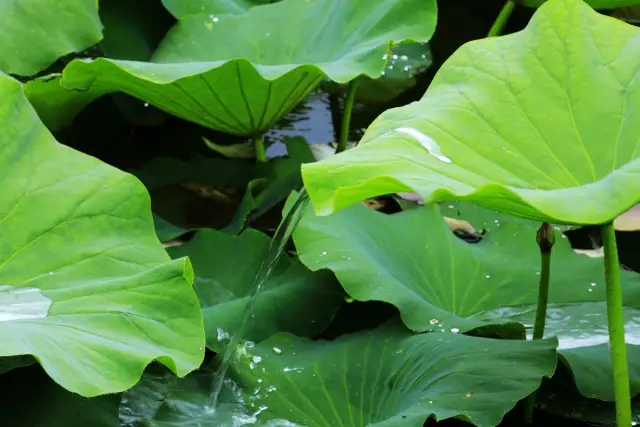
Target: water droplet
x,y
385,56
433,321
257,359
323,254
590,290
406,67
146,104
18,302
271,388
455,330
395,56
426,141
51,273
222,335
276,350
593,283
390,67
488,276
404,57
214,18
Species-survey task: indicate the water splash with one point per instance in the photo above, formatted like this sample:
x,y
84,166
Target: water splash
x,y
276,249
426,141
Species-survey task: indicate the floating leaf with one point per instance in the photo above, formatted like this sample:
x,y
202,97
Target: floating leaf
x,y
539,124
441,283
294,299
102,297
285,51
34,35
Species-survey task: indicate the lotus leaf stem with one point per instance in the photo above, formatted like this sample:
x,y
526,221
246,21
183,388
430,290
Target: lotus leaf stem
x,y
615,318
498,26
346,116
545,239
261,155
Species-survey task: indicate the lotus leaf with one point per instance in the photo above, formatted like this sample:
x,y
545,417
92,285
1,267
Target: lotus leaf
x,y
540,124
34,33
387,377
204,73
440,282
85,285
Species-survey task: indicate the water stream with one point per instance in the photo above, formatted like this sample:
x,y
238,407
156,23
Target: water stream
x,y
276,249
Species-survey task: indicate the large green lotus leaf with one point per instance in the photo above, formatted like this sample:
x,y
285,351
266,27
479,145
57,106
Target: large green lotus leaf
x,y
204,73
440,282
34,33
86,287
390,377
183,8
540,124
293,300
37,401
387,377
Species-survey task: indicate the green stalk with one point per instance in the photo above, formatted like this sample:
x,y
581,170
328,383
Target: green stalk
x,y
545,239
261,155
346,116
501,20
615,320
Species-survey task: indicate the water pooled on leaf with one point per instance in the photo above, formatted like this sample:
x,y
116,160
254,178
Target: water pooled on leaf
x,y
426,141
19,302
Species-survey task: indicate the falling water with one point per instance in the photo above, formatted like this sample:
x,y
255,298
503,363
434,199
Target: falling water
x,y
274,252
